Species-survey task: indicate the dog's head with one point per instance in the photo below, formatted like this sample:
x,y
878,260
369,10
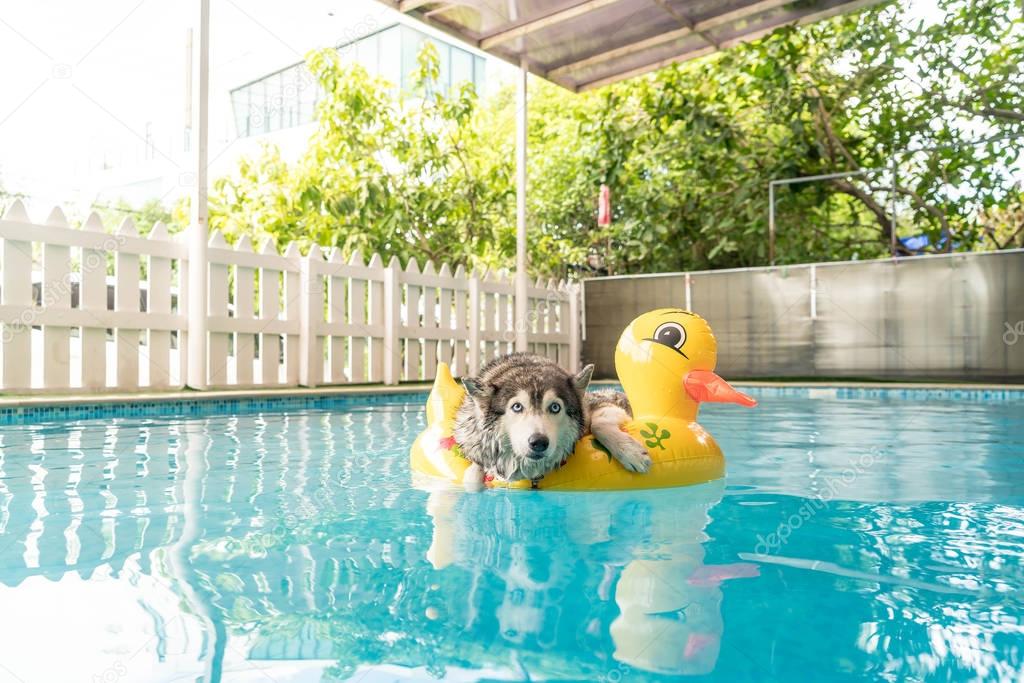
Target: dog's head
x,y
540,417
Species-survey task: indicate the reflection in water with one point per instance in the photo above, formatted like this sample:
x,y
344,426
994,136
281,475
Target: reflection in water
x,y
631,568
292,547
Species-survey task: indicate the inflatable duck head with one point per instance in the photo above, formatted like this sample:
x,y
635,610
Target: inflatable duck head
x,y
665,360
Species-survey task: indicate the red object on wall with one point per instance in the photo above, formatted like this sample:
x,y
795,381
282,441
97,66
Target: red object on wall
x,y
604,207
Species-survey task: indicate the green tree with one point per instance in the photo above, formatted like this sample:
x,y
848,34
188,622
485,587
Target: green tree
x,y
1003,224
409,176
688,153
144,216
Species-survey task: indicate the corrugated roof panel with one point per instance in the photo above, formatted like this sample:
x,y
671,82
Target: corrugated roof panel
x,y
582,44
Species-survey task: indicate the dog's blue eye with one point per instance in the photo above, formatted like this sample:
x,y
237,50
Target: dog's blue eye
x,y
555,408
517,407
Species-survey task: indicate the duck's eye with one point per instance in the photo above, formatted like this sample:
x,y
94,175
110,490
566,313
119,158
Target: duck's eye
x,y
670,334
555,408
517,407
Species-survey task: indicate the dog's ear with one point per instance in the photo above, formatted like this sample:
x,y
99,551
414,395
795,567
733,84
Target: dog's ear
x,y
582,378
475,390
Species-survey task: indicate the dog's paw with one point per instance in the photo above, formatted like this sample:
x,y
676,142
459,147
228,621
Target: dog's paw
x,y
473,478
633,456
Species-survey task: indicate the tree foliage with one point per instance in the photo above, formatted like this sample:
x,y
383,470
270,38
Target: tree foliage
x,y
381,173
932,111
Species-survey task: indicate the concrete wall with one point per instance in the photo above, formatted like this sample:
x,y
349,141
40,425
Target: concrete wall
x,y
958,317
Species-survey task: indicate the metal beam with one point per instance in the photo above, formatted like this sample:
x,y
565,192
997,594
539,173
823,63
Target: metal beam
x,y
430,14
405,6
800,21
506,34
739,13
794,181
199,209
620,52
653,66
699,27
522,283
747,37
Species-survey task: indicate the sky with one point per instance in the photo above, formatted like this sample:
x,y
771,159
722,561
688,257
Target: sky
x,y
85,83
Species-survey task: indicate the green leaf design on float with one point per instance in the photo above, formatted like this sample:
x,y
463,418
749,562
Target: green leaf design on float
x,y
654,438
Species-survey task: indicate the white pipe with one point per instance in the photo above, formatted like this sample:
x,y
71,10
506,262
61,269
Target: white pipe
x,y
791,181
197,275
522,281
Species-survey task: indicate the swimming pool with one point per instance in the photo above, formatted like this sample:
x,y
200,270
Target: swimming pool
x,y
858,535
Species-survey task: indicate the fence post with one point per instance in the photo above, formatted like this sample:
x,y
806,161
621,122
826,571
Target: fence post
x,y
158,300
126,298
245,295
412,323
392,322
375,318
311,310
216,353
93,298
336,287
196,307
474,323
292,312
16,257
574,327
56,291
461,325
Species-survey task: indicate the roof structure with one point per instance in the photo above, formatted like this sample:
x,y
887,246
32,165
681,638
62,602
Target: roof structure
x,y
586,44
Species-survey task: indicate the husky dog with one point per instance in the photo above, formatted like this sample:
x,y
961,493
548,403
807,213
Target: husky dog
x,y
522,416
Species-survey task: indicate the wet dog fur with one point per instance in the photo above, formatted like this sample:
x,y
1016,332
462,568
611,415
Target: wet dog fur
x,y
523,414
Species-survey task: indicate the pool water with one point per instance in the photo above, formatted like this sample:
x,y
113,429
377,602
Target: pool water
x,y
856,537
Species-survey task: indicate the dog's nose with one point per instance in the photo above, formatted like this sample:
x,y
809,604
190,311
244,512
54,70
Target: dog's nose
x,y
538,443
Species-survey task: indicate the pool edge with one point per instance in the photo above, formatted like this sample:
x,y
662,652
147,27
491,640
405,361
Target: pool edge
x,y
49,400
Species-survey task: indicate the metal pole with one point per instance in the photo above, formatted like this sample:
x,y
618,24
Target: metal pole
x,y
892,225
794,181
197,275
522,282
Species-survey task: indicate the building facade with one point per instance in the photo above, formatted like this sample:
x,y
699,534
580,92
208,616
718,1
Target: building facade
x,y
287,98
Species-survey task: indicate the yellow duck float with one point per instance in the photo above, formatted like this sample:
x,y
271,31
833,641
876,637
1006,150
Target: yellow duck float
x,y
665,360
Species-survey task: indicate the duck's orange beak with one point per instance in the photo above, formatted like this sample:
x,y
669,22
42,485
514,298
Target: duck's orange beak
x,y
704,386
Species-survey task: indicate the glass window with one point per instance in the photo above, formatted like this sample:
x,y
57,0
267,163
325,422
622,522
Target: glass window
x,y
275,101
240,106
412,41
309,91
479,73
444,52
366,53
390,63
290,98
258,110
462,67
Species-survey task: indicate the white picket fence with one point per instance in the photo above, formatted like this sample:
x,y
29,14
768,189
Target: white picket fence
x,y
272,319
